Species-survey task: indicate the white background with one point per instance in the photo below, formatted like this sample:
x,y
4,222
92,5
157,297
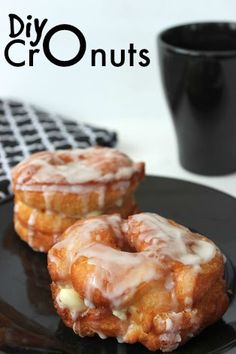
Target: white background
x,y
127,99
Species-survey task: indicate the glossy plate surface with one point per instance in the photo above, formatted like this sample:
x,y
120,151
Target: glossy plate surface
x,y
28,322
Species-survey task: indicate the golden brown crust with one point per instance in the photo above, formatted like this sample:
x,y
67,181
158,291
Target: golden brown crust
x,y
47,227
54,189
42,183
37,240
160,314
147,321
75,204
45,222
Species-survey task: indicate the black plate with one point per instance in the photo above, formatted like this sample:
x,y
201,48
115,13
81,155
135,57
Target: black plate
x,y
28,322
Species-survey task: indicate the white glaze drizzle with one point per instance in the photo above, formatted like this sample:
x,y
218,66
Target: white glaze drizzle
x,y
16,207
124,271
101,191
48,197
55,188
31,223
82,235
173,241
122,278
100,165
101,335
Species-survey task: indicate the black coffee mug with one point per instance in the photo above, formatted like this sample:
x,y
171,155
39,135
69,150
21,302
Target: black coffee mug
x,y
198,70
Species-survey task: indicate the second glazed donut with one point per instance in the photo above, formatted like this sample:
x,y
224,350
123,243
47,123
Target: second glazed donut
x,y
54,189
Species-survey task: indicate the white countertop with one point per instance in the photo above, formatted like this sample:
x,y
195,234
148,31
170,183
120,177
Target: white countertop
x,y
128,99
153,141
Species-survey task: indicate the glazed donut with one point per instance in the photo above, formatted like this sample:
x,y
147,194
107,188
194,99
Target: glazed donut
x,y
76,182
54,189
146,279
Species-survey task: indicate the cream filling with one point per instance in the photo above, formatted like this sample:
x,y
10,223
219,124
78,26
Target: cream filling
x,y
69,298
94,213
120,314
